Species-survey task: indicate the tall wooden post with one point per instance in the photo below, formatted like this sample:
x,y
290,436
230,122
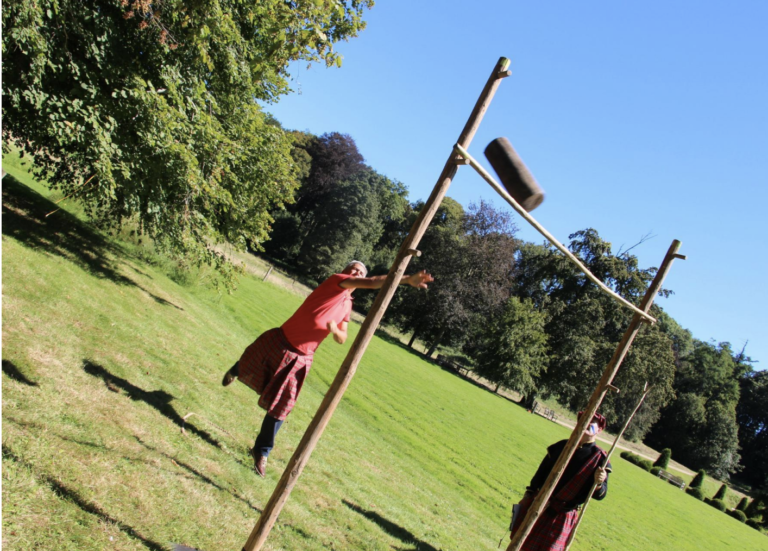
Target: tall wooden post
x,y
542,498
348,367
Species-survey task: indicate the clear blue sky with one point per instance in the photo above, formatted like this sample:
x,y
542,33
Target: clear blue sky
x,y
635,117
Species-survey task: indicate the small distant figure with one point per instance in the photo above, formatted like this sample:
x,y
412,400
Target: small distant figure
x,y
276,364
551,531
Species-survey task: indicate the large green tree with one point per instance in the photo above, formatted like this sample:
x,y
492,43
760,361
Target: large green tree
x,y
700,425
471,256
147,110
326,162
752,416
585,325
511,351
349,223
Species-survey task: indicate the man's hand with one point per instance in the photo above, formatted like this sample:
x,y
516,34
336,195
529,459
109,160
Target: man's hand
x,y
339,333
600,475
420,279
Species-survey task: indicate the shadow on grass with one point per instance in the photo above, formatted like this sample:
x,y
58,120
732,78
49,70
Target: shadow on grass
x,y
61,234
198,474
68,494
384,335
10,369
392,529
158,399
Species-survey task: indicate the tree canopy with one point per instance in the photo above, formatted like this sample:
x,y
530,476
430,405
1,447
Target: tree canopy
x,y
147,111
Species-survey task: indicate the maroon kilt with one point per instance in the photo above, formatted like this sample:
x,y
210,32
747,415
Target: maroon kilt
x,y
275,370
551,530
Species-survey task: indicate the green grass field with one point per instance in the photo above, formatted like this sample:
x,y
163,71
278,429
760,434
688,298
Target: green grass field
x,y
105,355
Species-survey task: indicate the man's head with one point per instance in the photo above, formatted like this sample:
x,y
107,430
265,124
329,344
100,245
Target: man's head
x,y
355,269
595,427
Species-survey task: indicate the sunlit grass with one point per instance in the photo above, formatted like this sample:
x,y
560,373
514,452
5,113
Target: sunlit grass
x,y
104,355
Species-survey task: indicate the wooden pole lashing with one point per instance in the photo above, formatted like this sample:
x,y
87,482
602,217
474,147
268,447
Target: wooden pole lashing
x,y
646,390
347,370
542,498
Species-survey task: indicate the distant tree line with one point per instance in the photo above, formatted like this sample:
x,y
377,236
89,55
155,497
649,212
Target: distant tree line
x,y
523,315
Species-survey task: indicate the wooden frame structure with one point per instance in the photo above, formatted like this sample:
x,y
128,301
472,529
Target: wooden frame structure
x,y
542,498
347,370
457,157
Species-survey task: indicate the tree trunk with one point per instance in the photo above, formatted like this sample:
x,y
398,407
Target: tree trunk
x,y
527,400
413,338
498,386
435,344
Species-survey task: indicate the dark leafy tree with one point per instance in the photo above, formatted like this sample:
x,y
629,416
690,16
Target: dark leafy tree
x,y
700,425
651,360
325,163
335,159
350,224
471,256
146,111
585,325
752,417
512,349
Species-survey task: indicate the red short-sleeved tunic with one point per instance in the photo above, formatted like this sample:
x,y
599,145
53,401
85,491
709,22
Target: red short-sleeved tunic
x,y
307,327
276,364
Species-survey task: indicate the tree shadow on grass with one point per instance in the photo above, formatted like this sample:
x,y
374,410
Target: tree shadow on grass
x,y
10,369
61,234
198,474
69,494
158,399
392,529
384,335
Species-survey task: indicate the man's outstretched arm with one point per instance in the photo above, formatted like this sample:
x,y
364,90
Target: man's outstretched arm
x,y
419,280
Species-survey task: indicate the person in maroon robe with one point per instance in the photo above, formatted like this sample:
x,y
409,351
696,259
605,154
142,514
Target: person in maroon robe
x,y
554,525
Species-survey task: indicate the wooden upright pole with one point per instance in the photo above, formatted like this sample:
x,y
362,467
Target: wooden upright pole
x,y
348,367
542,498
605,461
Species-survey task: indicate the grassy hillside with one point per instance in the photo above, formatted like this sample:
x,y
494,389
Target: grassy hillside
x,y
106,358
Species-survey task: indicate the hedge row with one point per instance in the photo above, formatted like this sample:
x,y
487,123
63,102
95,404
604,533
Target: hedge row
x,y
694,489
637,460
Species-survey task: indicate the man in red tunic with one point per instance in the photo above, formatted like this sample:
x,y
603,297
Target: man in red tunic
x,y
276,364
554,525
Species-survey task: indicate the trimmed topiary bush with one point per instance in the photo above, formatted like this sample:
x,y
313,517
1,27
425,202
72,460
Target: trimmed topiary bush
x,y
720,495
754,523
631,457
663,459
738,515
698,480
742,506
645,464
718,504
695,492
656,470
